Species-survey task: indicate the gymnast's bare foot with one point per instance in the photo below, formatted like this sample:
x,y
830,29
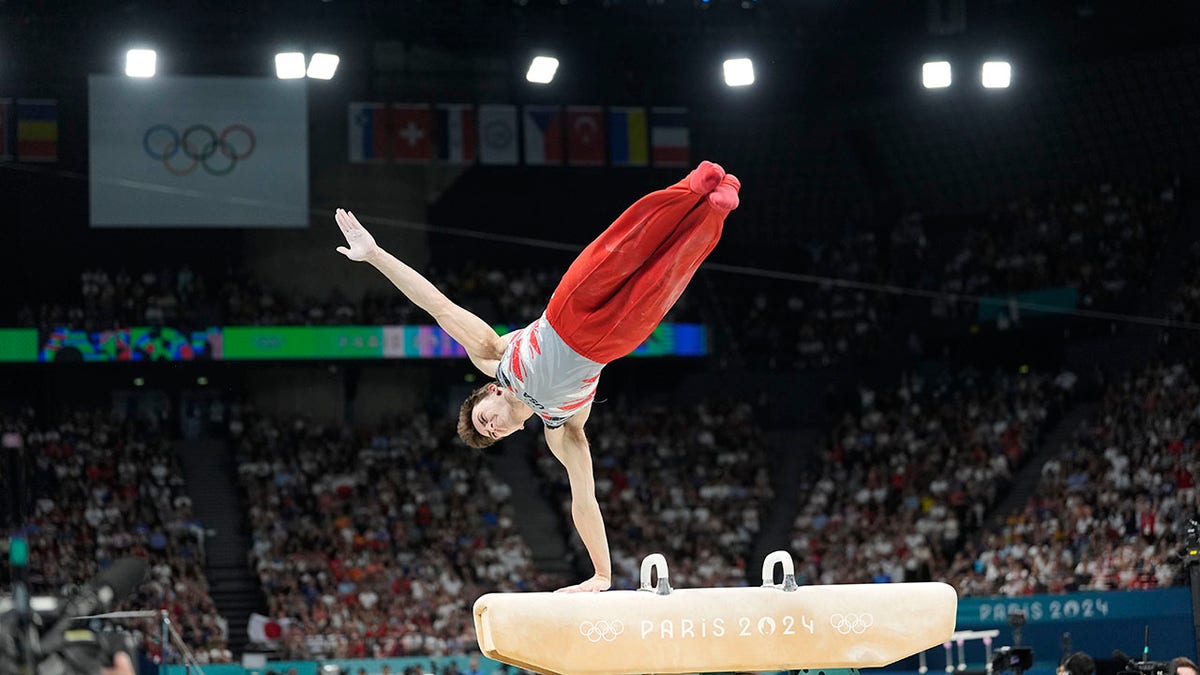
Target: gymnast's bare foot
x,y
705,177
593,585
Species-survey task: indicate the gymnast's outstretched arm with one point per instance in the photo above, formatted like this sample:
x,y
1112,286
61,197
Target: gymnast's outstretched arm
x,y
570,446
481,342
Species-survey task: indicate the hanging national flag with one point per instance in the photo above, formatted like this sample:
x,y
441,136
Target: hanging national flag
x,y
498,134
37,130
6,129
369,133
265,630
669,139
627,136
411,140
543,134
585,135
455,129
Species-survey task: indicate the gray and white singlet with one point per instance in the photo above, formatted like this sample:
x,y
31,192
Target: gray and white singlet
x,y
550,377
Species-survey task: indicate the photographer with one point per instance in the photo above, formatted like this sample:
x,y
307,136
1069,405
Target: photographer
x,y
1078,663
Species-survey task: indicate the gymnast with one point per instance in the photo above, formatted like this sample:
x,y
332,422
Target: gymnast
x,y
609,301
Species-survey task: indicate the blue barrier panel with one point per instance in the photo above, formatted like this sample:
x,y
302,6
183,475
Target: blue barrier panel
x,y
397,665
209,669
1098,623
286,668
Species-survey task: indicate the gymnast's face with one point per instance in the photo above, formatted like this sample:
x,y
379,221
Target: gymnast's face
x,y
495,416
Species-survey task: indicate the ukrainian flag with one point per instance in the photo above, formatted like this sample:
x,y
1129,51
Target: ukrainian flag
x,y
628,144
37,130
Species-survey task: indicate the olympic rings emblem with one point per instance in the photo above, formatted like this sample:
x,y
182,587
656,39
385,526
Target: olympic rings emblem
x,y
200,145
601,630
851,623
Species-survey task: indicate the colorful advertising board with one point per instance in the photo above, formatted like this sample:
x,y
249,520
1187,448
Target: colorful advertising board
x,y
282,343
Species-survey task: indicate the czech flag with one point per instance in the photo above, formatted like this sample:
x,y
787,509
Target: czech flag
x,y
543,135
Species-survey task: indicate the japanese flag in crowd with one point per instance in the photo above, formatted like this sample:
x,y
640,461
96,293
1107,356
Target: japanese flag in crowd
x,y
263,629
543,134
498,134
585,135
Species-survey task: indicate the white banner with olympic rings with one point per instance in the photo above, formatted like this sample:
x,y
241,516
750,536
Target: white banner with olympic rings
x,y
197,152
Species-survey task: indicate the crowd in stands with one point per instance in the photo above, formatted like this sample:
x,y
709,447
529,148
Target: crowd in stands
x,y
1111,508
376,544
1099,239
687,481
1185,304
100,489
913,469
183,298
801,325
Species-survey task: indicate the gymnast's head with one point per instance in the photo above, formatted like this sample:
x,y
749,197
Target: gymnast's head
x,y
488,415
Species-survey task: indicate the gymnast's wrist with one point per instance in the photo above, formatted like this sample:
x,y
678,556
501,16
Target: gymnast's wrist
x,y
374,256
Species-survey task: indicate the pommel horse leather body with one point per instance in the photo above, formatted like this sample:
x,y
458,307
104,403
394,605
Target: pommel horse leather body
x,y
715,629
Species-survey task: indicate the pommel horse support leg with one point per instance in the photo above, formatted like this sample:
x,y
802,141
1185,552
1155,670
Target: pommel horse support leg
x,y
658,629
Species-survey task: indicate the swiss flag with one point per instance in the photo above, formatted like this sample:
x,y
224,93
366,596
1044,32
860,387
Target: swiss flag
x,y
410,130
585,135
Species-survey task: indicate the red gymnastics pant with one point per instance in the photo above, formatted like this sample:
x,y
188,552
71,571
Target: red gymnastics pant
x,y
622,285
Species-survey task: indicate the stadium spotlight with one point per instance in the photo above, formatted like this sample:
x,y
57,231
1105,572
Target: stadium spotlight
x,y
739,72
542,69
140,62
289,65
996,74
936,74
322,66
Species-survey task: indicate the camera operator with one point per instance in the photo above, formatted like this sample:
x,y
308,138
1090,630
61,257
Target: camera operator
x,y
1078,663
1181,665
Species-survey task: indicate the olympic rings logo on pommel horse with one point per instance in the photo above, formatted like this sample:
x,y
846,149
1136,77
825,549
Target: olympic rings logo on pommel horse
x,y
601,630
848,623
199,143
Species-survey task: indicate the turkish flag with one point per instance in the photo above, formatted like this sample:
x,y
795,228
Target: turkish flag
x,y
585,135
410,131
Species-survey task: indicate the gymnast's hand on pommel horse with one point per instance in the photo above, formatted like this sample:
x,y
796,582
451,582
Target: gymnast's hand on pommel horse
x,y
609,301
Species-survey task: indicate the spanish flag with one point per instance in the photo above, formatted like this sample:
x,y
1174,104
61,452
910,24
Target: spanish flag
x,y
37,130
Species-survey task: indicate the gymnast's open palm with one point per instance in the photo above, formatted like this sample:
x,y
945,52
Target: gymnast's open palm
x,y
362,244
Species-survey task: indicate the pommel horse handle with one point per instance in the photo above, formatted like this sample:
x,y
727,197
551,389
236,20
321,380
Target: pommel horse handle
x,y
655,562
789,571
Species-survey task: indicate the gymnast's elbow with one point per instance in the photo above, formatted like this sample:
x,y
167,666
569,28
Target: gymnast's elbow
x,y
584,504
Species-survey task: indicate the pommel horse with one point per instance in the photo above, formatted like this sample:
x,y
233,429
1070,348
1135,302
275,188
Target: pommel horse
x,y
659,629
